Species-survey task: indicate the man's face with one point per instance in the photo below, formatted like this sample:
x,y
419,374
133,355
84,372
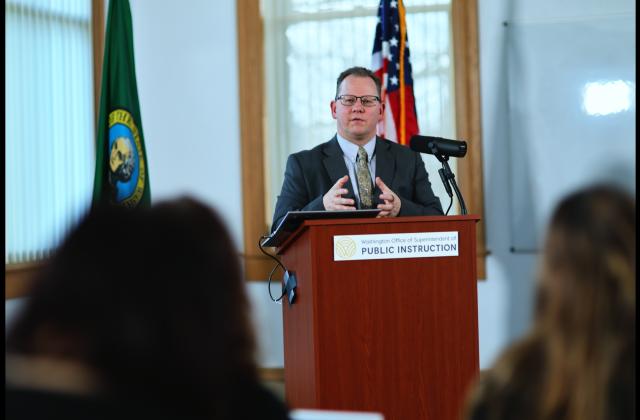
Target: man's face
x,y
357,123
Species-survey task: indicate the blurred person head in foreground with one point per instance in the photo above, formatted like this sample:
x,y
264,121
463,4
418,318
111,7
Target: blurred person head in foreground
x,y
578,359
139,312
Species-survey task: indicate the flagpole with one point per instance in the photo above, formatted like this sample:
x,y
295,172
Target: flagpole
x,y
403,31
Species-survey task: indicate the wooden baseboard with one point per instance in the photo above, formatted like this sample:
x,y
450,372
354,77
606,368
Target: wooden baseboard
x,y
271,374
19,279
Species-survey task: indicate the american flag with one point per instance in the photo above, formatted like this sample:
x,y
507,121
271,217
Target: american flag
x,y
391,64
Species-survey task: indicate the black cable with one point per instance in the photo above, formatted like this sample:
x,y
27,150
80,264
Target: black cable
x,y
278,264
450,204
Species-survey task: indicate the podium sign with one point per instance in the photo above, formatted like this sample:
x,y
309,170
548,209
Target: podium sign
x,y
395,245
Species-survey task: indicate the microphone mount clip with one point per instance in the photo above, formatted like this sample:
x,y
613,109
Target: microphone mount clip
x,y
449,176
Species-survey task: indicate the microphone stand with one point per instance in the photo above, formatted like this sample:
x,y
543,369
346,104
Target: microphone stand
x,y
449,176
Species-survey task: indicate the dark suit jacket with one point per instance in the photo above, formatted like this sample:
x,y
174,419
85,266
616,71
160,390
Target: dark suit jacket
x,y
311,173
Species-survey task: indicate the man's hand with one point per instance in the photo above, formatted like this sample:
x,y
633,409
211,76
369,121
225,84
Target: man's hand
x,y
333,200
392,203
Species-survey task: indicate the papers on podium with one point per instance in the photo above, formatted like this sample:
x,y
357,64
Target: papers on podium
x,y
307,414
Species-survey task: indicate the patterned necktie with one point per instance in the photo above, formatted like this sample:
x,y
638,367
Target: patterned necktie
x,y
364,179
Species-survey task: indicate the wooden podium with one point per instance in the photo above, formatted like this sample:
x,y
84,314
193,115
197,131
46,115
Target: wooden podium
x,y
398,336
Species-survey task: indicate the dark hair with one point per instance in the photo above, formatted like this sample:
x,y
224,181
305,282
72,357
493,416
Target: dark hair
x,y
359,72
578,360
152,300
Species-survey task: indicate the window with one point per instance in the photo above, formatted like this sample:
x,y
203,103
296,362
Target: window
x,y
309,42
49,113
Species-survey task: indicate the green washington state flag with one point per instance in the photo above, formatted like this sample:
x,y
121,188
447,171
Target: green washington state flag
x,y
122,173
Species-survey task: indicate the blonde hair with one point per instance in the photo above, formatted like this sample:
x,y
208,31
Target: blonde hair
x,y
578,360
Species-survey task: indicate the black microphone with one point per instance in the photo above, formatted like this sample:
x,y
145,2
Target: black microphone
x,y
438,146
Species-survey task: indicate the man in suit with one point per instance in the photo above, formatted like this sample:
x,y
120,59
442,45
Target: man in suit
x,y
318,179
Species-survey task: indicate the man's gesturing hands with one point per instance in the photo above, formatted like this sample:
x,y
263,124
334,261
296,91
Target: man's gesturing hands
x,y
333,200
392,203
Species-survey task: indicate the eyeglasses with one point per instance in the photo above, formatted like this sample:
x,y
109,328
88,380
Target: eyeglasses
x,y
350,100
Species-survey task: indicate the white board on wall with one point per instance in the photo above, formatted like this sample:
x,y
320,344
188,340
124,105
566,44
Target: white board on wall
x,y
571,89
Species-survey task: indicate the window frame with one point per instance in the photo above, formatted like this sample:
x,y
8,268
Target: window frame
x,y
250,31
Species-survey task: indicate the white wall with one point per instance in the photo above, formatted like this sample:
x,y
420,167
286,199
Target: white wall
x,y
187,73
505,298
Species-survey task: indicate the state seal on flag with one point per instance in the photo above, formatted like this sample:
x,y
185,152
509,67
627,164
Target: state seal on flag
x,y
127,169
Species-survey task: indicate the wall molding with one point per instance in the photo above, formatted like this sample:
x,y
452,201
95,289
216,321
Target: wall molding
x,y
464,16
251,114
